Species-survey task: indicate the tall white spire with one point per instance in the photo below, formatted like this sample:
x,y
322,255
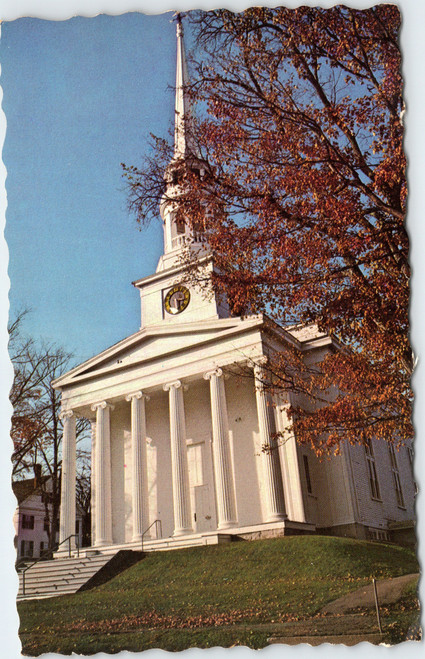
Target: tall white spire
x,y
183,136
179,234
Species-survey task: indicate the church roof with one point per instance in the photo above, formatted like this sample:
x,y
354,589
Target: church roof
x,y
155,342
305,333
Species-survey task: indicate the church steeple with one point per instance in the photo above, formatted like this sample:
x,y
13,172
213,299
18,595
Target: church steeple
x,y
179,234
183,130
168,296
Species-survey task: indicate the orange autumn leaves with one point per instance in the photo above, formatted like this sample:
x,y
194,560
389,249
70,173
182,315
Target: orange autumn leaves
x,y
304,200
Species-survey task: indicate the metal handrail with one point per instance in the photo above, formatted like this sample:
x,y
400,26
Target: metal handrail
x,y
49,551
156,522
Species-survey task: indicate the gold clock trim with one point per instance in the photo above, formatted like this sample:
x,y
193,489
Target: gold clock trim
x,y
182,302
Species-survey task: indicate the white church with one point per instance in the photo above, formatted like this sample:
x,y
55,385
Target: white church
x,y
178,437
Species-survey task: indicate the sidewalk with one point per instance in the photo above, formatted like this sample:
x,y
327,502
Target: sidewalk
x,y
336,625
389,591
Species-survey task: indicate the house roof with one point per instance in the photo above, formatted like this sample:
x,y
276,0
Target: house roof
x,y
23,489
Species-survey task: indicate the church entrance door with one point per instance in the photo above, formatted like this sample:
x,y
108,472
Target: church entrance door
x,y
203,517
200,478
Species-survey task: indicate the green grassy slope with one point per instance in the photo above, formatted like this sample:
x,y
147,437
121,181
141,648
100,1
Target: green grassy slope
x,y
244,582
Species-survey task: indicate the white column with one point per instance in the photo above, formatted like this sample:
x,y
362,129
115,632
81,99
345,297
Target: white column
x,y
103,504
275,501
168,232
224,485
289,463
67,511
93,481
180,473
139,487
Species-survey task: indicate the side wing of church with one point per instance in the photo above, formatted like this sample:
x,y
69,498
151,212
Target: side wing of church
x,y
184,449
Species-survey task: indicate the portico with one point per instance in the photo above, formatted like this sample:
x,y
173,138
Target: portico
x,y
167,451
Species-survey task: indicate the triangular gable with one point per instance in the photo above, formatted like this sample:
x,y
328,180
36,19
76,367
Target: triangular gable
x,y
154,343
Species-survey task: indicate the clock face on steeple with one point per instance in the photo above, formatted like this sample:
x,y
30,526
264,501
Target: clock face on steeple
x,y
177,299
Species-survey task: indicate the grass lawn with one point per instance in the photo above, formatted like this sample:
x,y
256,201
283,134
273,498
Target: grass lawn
x,y
206,596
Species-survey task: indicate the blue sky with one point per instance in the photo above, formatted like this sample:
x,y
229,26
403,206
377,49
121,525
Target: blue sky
x,y
81,96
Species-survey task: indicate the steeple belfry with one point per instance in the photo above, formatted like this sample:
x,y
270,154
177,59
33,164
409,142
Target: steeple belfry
x,y
180,234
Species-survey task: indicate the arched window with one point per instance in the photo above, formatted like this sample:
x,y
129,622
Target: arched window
x,y
180,226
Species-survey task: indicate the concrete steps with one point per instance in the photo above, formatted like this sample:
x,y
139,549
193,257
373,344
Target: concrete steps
x,y
214,537
163,544
67,575
195,540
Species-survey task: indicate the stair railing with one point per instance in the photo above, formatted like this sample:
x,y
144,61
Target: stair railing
x,y
157,523
49,551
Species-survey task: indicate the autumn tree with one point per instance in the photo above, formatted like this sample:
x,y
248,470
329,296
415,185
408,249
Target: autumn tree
x,y
23,394
304,200
36,428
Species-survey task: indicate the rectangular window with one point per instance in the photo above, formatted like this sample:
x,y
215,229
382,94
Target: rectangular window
x,y
27,521
27,548
396,476
77,526
307,474
393,458
398,490
373,480
371,467
41,547
410,456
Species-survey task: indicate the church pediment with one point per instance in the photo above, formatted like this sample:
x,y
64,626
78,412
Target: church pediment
x,y
155,343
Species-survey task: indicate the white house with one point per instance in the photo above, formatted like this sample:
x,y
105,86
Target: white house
x,y
177,436
32,515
